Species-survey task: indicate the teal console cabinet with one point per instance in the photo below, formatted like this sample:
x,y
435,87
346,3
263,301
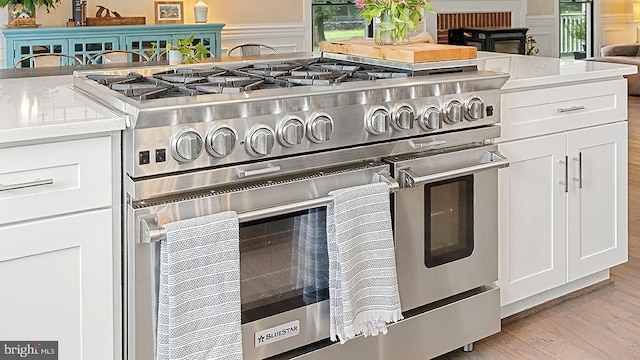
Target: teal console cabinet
x,y
87,40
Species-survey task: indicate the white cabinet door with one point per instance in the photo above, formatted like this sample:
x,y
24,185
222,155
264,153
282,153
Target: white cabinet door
x,y
597,213
532,204
57,283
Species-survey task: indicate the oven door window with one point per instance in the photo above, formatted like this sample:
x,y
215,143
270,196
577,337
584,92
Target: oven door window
x,y
448,221
284,263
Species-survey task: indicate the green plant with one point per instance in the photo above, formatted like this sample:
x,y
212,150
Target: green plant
x,y
579,31
402,11
530,45
31,4
190,52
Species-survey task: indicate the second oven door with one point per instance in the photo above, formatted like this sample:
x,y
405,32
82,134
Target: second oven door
x,y
283,257
446,225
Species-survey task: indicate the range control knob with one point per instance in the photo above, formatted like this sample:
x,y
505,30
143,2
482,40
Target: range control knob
x,y
290,131
377,120
260,140
474,108
430,119
186,145
320,128
403,117
221,141
452,112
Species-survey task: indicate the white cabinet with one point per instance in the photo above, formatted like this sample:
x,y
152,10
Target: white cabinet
x,y
79,172
597,198
532,225
563,209
59,252
563,108
57,283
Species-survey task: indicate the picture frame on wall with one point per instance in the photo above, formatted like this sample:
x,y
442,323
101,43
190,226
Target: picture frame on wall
x,y
169,12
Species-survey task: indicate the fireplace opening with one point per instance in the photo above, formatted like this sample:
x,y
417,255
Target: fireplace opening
x,y
496,39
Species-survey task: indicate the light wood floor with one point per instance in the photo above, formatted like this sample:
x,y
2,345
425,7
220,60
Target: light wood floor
x,y
603,324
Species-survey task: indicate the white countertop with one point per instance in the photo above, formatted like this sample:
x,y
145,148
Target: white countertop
x,y
38,108
536,71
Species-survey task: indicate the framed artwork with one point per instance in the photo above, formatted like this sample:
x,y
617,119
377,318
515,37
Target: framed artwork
x,y
169,12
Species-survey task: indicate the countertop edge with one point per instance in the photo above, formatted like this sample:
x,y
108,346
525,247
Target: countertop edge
x,y
62,130
521,84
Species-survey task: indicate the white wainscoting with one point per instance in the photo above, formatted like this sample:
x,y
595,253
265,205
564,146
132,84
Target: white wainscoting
x,y
617,29
285,37
544,30
613,29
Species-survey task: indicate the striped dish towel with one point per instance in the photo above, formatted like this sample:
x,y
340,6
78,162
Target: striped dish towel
x,y
363,286
310,252
199,300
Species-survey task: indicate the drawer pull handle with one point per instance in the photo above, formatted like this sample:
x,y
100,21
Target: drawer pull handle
x,y
572,108
267,170
36,182
417,145
491,161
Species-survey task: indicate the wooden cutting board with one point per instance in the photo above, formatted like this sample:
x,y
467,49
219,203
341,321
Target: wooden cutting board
x,y
411,53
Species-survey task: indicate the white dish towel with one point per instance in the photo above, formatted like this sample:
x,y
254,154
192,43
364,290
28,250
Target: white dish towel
x,y
199,301
363,285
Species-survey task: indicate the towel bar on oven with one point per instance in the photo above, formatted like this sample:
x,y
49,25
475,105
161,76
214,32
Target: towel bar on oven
x,y
150,232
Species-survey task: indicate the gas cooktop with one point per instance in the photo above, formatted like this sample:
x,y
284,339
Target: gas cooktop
x,y
191,81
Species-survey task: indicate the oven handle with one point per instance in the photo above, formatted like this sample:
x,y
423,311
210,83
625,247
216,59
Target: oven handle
x,y
151,232
495,161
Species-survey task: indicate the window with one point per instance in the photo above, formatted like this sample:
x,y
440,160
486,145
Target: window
x,y
576,20
337,20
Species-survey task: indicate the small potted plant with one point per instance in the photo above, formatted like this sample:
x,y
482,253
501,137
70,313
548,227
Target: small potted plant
x,y
182,50
393,18
531,46
579,33
22,13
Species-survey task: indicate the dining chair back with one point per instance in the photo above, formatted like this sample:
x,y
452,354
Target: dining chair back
x,y
117,56
46,60
251,49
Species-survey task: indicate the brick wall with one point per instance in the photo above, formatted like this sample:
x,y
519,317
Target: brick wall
x,y
454,21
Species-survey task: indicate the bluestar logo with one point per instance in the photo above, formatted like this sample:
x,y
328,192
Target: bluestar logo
x,y
277,333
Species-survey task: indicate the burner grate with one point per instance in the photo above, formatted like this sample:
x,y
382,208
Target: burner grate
x,y
187,76
106,79
217,80
226,85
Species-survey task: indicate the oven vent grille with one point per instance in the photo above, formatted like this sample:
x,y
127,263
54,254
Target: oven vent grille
x,y
254,185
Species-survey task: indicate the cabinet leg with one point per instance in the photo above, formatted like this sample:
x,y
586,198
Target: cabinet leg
x,y
468,347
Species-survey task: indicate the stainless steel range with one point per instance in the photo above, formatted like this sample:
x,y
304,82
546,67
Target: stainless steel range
x,y
269,139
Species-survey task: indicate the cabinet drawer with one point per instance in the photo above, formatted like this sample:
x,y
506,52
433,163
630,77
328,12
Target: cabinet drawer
x,y
544,111
80,174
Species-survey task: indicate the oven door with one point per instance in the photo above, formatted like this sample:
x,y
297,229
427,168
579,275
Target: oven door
x,y
283,259
446,223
